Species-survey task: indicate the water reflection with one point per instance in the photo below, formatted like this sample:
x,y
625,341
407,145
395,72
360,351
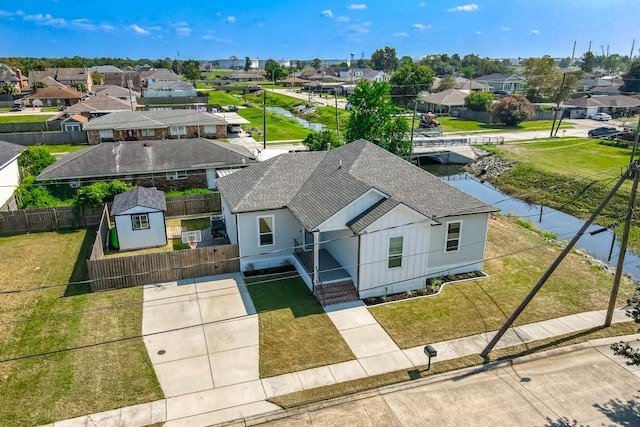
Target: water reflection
x,y
318,127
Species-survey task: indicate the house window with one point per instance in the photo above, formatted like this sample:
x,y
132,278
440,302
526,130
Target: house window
x,y
148,132
395,252
453,236
209,129
174,175
106,133
140,222
265,230
178,130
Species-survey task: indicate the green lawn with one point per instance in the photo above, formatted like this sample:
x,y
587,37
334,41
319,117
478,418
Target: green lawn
x,y
452,124
24,118
295,332
223,98
64,148
482,305
67,383
278,127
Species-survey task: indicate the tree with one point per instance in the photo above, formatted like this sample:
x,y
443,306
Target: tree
x,y
362,63
612,63
467,72
316,63
176,67
479,101
588,62
34,159
446,83
631,78
96,78
385,59
372,118
80,87
623,349
8,89
274,70
543,79
409,80
37,85
319,141
512,110
99,193
247,63
191,70
300,64
406,60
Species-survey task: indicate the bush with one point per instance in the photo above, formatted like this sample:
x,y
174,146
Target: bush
x,y
512,110
33,195
479,101
187,192
100,193
318,141
34,159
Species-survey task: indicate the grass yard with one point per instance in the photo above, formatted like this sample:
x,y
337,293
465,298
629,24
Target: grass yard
x,y
64,148
223,98
278,127
482,305
452,124
17,118
295,332
65,384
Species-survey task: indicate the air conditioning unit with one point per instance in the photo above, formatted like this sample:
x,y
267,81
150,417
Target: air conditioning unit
x,y
74,184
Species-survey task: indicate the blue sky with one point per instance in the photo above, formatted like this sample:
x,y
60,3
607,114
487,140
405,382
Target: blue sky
x,y
302,29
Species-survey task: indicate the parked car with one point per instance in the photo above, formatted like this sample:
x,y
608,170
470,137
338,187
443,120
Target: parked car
x,y
603,117
17,107
603,131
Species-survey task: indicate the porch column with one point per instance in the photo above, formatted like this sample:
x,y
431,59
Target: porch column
x,y
316,260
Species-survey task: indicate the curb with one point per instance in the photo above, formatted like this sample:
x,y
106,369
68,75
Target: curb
x,y
311,407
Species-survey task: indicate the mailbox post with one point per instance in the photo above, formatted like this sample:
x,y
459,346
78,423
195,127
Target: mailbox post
x,y
430,351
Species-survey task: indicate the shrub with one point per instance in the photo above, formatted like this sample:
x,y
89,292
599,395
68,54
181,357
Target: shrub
x,y
525,224
512,110
318,141
479,101
33,195
100,193
34,159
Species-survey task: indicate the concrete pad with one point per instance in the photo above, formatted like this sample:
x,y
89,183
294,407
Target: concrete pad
x,y
384,363
167,290
620,316
351,318
620,361
281,384
594,318
347,371
224,415
217,287
343,306
316,377
137,415
555,327
368,412
467,345
510,338
221,307
232,334
235,366
170,316
575,322
107,419
535,331
213,400
184,376
369,340
247,301
180,344
418,358
158,411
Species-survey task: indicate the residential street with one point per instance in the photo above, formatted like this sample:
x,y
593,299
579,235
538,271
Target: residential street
x,y
588,387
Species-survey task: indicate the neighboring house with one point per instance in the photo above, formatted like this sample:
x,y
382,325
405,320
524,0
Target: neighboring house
x,y
152,125
368,74
139,218
73,123
49,81
465,85
9,174
509,83
169,89
12,76
357,214
117,92
440,102
54,97
158,75
615,105
99,105
246,77
66,76
168,165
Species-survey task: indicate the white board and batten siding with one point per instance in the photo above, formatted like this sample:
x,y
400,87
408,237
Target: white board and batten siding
x,y
338,220
376,278
229,222
128,238
9,180
343,245
469,257
286,228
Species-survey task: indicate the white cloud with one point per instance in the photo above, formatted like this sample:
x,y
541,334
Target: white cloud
x,y
139,30
505,28
359,6
107,27
422,4
343,19
360,28
421,27
327,13
536,32
231,19
464,8
478,33
401,34
207,37
183,31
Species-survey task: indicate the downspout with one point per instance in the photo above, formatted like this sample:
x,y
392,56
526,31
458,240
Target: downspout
x,y
316,261
358,267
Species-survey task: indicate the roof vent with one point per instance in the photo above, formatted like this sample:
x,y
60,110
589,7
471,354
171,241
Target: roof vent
x,y
340,165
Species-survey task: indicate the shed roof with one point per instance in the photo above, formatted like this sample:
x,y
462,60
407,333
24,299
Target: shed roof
x,y
140,196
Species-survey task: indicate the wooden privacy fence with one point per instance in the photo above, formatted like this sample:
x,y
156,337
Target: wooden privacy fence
x,y
126,271
48,219
102,236
194,204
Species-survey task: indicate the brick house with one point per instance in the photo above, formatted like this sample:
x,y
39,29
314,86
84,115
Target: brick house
x,y
155,125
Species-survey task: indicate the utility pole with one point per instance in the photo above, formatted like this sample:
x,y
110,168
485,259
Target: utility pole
x,y
632,46
335,92
264,119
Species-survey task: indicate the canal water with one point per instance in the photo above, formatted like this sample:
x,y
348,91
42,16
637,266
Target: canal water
x,y
543,217
318,127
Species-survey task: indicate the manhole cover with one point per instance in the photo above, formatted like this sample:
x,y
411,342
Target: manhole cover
x,y
161,352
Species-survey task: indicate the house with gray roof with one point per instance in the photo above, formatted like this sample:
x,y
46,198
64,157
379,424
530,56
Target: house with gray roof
x,y
9,173
355,218
508,83
170,164
139,218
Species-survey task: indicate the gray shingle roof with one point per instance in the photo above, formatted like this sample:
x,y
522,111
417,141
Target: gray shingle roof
x,y
316,185
153,119
138,157
9,151
139,196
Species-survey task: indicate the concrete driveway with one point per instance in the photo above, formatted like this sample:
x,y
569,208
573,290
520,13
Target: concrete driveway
x,y
202,338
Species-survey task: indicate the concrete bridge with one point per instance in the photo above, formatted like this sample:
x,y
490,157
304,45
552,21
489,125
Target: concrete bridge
x,y
452,150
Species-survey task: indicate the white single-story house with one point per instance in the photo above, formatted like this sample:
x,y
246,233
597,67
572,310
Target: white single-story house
x,y
139,218
9,173
357,214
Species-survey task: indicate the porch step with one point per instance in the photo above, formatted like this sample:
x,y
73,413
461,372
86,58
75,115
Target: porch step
x,y
334,293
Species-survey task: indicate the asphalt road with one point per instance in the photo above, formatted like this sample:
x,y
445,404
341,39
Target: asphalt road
x,y
584,388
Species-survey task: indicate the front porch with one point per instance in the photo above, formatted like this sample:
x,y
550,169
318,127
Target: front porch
x,y
329,269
